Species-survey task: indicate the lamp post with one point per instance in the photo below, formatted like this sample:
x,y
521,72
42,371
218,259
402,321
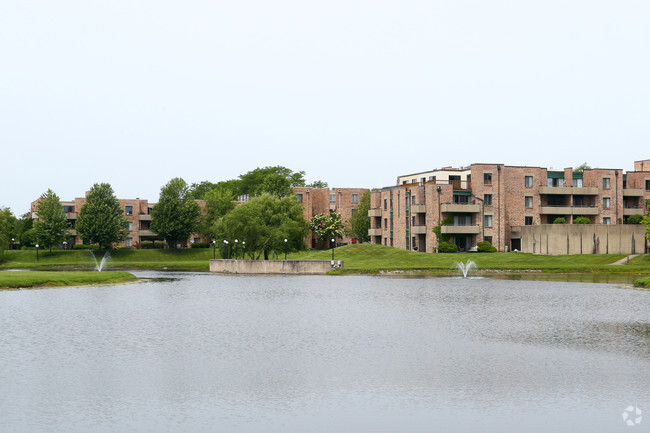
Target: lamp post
x,y
36,252
236,243
333,245
243,253
285,249
214,249
65,245
439,188
12,243
226,250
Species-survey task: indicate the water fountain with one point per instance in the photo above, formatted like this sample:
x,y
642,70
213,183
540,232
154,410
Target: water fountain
x,y
100,265
466,267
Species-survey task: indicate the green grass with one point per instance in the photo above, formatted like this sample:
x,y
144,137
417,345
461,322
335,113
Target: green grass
x,y
22,279
643,282
364,258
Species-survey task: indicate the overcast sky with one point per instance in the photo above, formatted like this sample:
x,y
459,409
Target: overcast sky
x,y
354,92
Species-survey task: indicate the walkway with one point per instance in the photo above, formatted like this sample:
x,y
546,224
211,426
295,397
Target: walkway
x,y
624,259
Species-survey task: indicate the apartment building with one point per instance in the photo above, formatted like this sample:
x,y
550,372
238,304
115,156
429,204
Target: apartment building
x,y
494,201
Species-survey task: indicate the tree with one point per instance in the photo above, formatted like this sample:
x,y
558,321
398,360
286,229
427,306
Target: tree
x,y
197,191
264,223
327,226
51,226
101,219
275,180
177,215
582,167
361,221
635,219
317,184
218,202
581,220
5,229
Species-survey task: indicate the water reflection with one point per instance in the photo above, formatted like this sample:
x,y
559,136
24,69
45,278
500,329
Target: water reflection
x,y
241,353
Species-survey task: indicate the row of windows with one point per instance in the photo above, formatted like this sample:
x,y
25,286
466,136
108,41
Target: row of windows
x,y
354,198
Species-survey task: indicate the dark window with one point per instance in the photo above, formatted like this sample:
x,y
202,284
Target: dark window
x,y
487,199
647,185
354,213
299,197
129,210
385,223
487,178
68,209
529,220
385,204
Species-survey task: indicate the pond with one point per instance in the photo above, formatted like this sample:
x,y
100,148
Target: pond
x,y
207,353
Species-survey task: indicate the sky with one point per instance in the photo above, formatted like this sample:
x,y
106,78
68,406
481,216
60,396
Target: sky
x,y
353,92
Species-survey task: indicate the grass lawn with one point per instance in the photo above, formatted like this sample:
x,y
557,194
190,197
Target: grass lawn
x,y
10,279
363,258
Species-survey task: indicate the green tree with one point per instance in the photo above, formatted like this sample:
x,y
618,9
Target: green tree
x,y
177,215
327,226
582,167
198,191
361,221
264,223
23,230
51,226
101,219
275,180
218,202
5,230
317,184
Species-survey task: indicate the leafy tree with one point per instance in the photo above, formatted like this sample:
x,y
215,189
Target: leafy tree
x,y
581,220
218,202
275,180
197,191
5,229
437,230
361,221
582,167
177,215
635,219
327,226
23,230
51,226
264,223
317,184
101,219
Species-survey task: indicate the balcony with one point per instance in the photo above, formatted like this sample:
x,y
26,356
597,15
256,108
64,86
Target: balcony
x,y
569,210
418,208
71,215
629,211
374,212
461,230
568,190
633,193
374,232
146,233
419,230
143,217
460,207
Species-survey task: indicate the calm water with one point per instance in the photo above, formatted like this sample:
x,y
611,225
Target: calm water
x,y
208,353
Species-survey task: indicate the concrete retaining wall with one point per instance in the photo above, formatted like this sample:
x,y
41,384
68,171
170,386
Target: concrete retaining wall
x,y
556,239
291,267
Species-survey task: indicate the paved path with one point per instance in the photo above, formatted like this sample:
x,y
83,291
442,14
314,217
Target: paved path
x,y
624,259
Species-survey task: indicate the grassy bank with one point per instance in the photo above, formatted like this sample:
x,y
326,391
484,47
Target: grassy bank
x,y
643,282
363,258
23,279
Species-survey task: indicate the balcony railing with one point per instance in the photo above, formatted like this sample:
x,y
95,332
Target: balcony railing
x,y
418,230
376,212
460,207
632,192
461,230
374,232
559,209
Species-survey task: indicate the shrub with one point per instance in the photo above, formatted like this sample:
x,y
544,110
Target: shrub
x,y
559,220
582,220
146,245
447,247
159,244
635,219
486,247
200,245
85,247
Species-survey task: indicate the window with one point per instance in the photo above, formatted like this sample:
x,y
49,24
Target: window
x,y
404,182
529,202
487,220
423,179
432,178
355,198
606,202
129,210
129,242
354,213
487,178
577,183
332,198
299,198
130,225
528,220
487,199
149,210
385,204
488,239
607,220
386,241
197,240
413,220
68,209
414,180
606,183
413,200
647,185
528,181
385,223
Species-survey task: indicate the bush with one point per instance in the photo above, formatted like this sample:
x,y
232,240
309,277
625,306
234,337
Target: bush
x,y
85,247
147,245
447,247
159,244
581,220
635,219
559,220
486,247
200,245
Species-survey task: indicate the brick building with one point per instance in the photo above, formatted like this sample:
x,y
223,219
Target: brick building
x,y
493,201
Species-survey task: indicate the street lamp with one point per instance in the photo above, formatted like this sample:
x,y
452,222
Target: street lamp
x,y
285,249
439,188
65,245
12,243
243,253
226,249
236,242
214,249
37,252
333,245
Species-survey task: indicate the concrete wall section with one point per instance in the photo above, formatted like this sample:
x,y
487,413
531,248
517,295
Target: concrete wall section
x,y
288,267
556,239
